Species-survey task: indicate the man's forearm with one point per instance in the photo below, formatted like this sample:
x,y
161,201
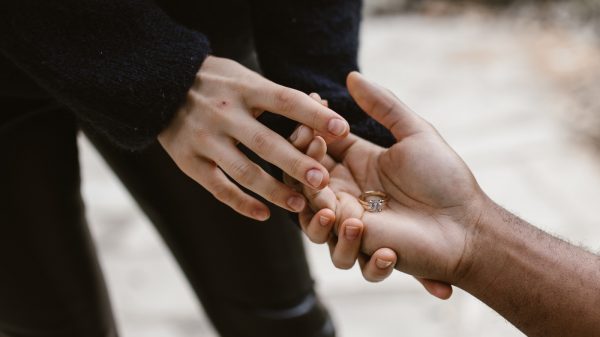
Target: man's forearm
x,y
541,284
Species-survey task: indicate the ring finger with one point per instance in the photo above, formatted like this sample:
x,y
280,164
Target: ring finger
x,y
248,174
276,150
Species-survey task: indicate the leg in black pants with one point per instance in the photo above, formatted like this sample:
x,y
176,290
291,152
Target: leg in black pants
x,y
50,285
50,282
252,277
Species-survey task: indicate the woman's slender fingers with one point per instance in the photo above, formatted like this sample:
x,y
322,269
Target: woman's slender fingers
x,y
318,229
297,106
438,289
379,266
208,175
319,198
248,174
347,248
276,150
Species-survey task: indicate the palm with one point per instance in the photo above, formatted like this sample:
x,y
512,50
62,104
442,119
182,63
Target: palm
x,y
420,175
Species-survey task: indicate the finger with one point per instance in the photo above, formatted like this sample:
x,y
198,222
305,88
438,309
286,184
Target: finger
x,y
298,106
305,217
318,229
248,174
316,97
347,249
339,148
273,148
328,162
438,289
215,182
302,137
317,198
317,149
379,266
384,107
331,243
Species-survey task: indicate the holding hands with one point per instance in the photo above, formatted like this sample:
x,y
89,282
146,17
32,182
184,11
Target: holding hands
x,y
220,112
433,205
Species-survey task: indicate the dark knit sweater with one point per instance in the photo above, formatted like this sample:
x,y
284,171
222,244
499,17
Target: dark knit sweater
x,y
124,66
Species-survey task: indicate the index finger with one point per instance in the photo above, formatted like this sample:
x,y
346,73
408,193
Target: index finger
x,y
298,106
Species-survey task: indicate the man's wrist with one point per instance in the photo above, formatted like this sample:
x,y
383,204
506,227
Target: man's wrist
x,y
480,259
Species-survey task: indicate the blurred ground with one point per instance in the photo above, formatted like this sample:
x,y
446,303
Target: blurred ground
x,y
508,94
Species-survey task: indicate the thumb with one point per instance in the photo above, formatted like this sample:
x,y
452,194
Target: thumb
x,y
384,107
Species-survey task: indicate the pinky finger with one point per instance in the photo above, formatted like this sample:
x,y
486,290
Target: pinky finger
x,y
216,183
320,226
379,266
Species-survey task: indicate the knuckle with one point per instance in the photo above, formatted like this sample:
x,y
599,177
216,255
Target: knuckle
x,y
274,194
202,134
260,141
240,204
221,192
296,166
240,170
286,98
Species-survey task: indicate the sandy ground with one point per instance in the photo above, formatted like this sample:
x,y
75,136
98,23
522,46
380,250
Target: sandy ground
x,y
493,88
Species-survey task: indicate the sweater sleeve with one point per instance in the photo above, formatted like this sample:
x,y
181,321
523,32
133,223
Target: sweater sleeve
x,y
123,66
312,45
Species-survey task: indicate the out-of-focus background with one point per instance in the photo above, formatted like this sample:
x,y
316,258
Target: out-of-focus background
x,y
514,88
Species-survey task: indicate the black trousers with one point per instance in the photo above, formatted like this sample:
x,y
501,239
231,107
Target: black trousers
x,y
252,278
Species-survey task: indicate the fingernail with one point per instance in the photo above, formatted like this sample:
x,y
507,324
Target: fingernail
x,y
294,135
296,203
260,214
337,126
324,221
351,232
382,264
314,177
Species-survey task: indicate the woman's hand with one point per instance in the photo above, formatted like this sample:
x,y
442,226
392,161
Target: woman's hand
x,y
220,111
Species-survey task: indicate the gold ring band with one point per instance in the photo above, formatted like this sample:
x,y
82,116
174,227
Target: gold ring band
x,y
373,201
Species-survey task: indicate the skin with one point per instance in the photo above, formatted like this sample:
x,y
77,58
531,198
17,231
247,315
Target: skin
x,y
220,111
344,247
445,230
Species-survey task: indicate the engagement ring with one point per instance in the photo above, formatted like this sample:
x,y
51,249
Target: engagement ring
x,y
373,201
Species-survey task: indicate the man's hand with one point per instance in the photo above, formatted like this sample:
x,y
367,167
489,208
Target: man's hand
x,y
220,111
443,227
434,203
